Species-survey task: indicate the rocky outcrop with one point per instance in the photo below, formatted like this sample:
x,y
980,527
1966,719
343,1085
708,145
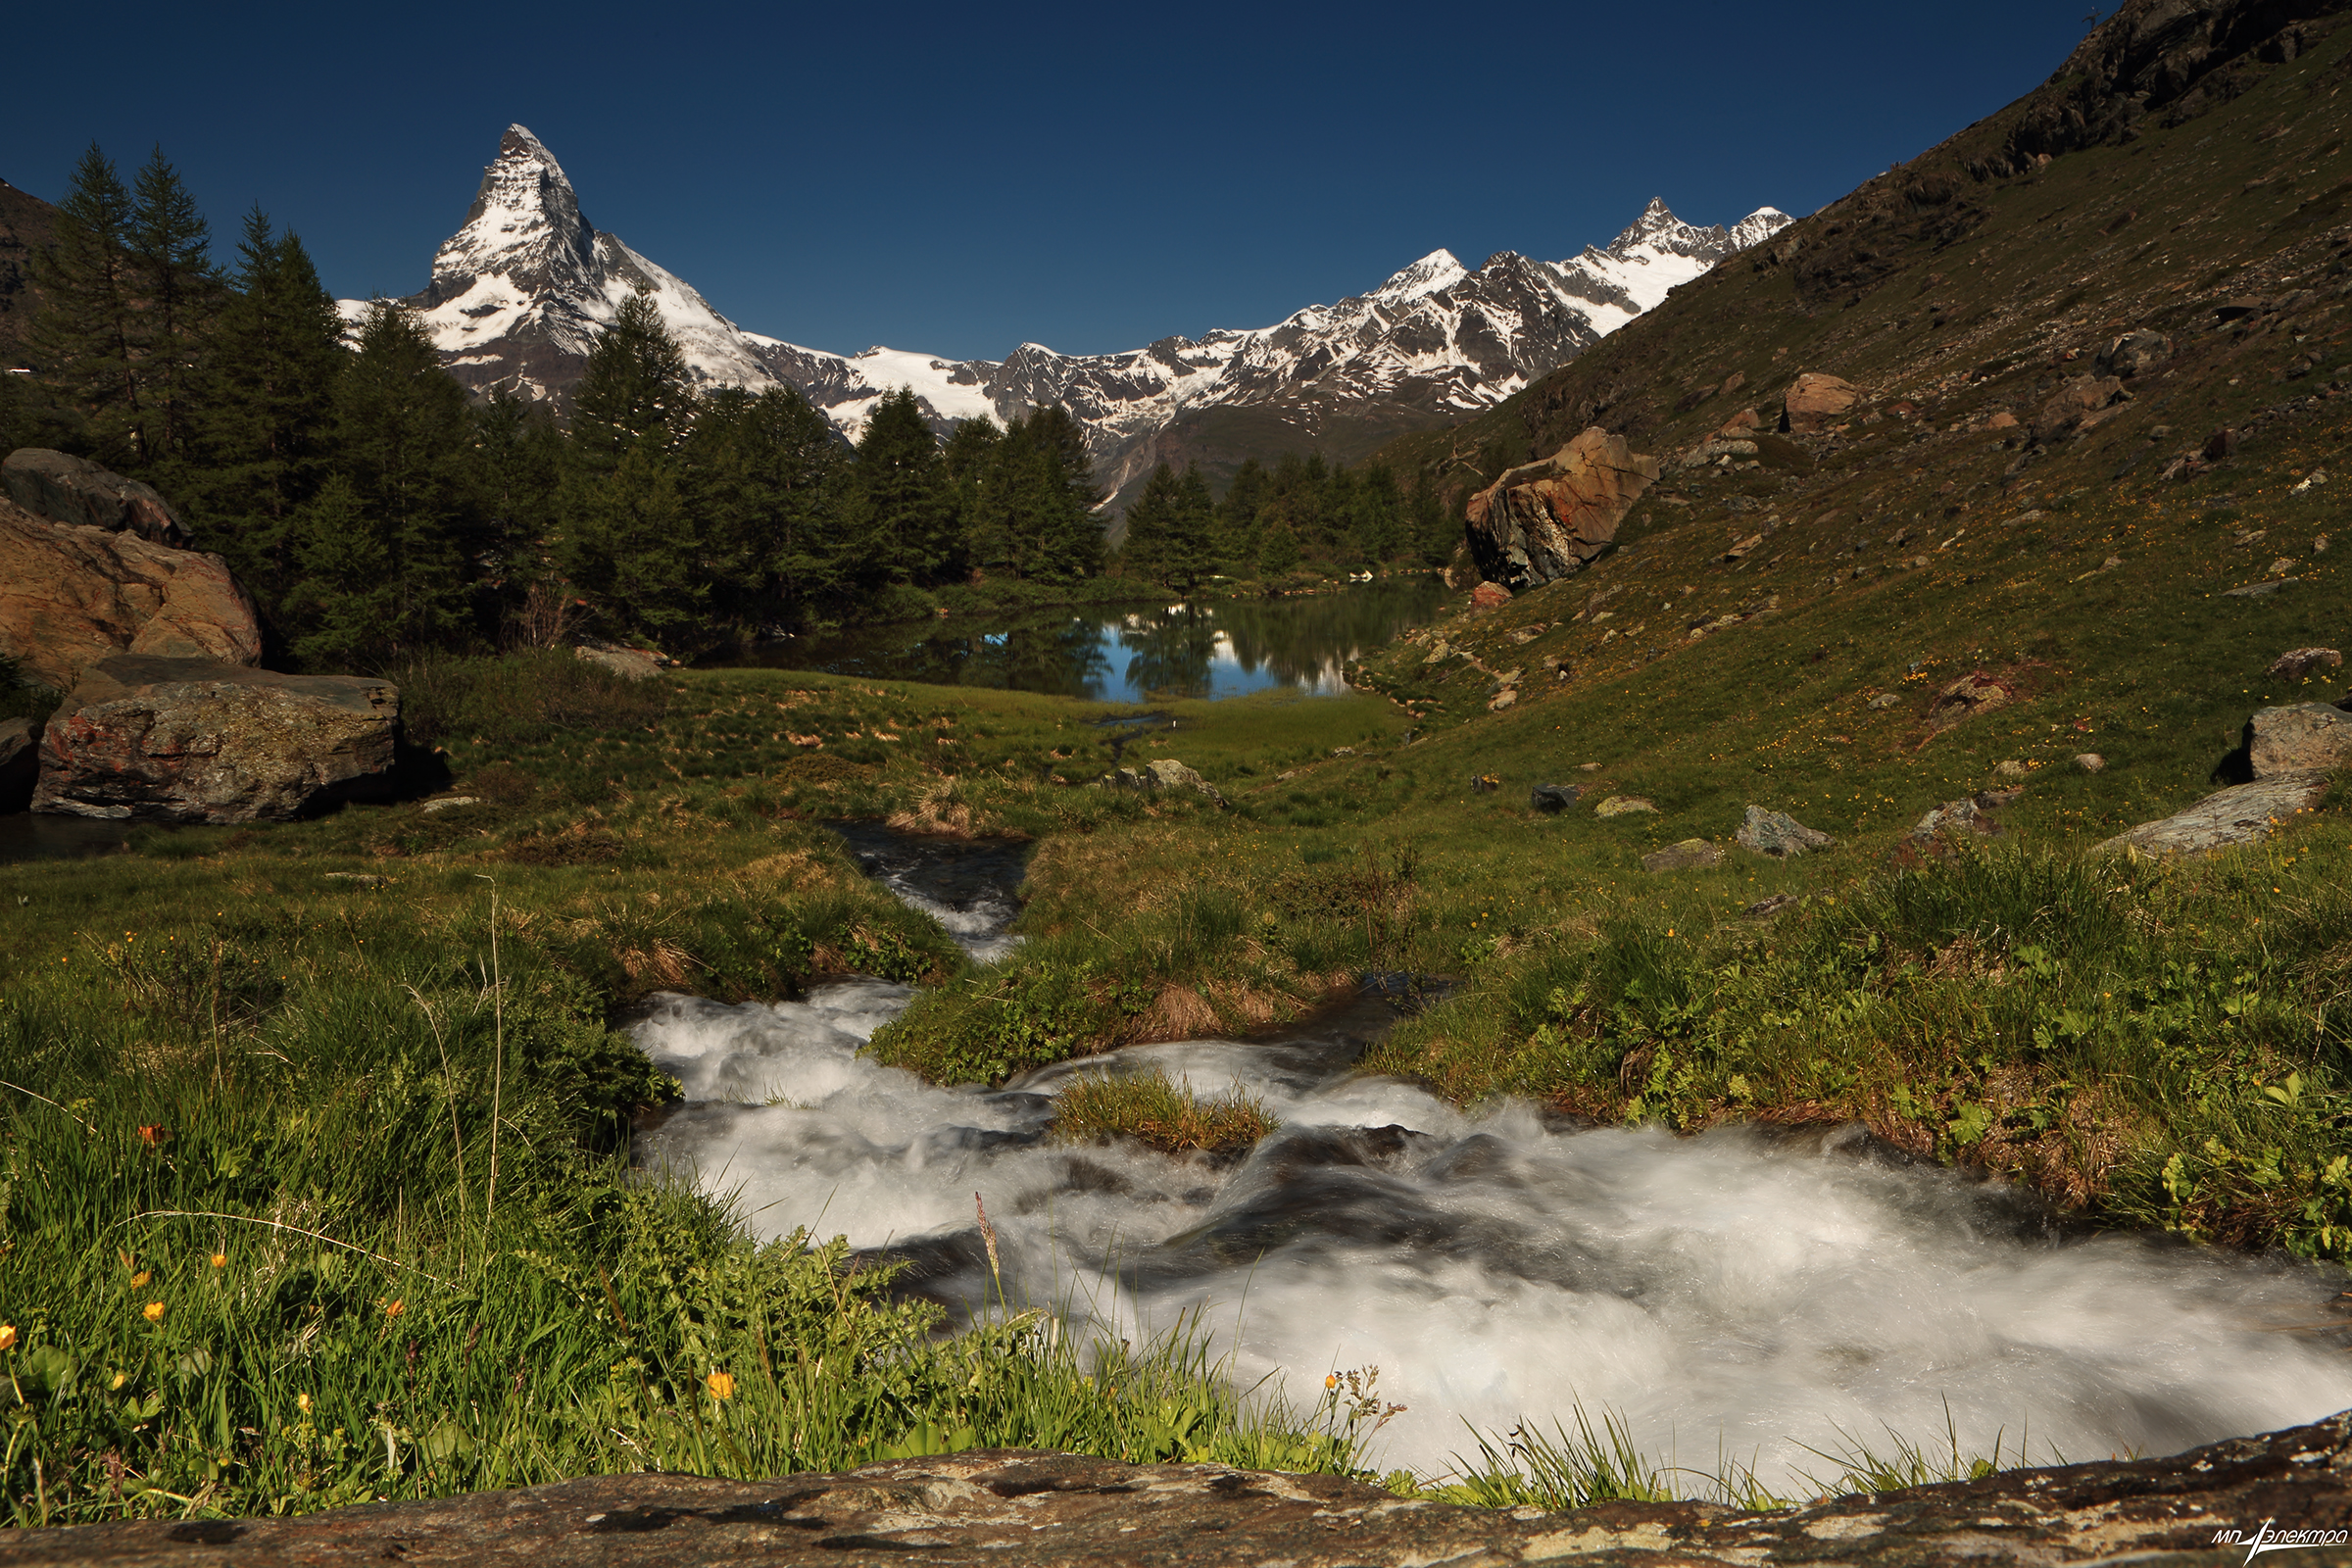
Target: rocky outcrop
x,y
1545,521
2244,813
1690,855
2080,405
1052,1510
1972,694
75,490
177,740
2134,354
1162,775
1552,797
1778,835
19,763
2308,737
71,595
1815,402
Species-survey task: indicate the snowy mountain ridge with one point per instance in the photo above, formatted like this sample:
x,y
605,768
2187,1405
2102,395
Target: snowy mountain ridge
x,y
521,290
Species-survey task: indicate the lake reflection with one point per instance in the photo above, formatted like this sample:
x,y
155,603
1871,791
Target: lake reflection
x,y
1227,648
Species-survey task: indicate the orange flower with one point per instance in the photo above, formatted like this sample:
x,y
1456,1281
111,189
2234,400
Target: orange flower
x,y
220,1260
8,1336
721,1385
153,1311
395,1309
153,1133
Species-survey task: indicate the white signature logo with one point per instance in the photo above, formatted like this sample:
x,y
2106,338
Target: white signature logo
x,y
2263,1539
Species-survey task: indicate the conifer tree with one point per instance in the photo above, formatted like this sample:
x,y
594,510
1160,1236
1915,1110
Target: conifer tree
x,y
84,339
975,460
1190,559
171,270
262,424
905,522
635,386
402,451
764,477
628,544
1151,525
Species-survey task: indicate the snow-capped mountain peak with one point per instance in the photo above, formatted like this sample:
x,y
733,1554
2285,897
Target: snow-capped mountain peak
x,y
521,291
1437,271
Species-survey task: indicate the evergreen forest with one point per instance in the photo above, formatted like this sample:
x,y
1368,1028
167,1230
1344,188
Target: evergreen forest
x,y
377,511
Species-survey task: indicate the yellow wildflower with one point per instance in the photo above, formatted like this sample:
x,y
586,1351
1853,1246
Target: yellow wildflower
x,y
153,1311
721,1385
220,1260
302,1401
141,1278
8,1336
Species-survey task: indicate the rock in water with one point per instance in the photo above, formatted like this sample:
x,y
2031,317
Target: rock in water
x,y
1778,835
1545,521
1815,402
2308,737
193,741
71,595
19,763
1691,854
78,493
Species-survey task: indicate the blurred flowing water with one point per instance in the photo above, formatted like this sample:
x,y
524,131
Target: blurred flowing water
x,y
1738,1295
1221,647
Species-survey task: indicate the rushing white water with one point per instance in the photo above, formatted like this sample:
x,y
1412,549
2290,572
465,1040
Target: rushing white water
x,y
1731,1295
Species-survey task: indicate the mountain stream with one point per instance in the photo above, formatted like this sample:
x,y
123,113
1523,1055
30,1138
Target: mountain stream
x,y
1760,1298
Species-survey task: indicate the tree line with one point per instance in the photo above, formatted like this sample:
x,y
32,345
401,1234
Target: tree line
x,y
375,509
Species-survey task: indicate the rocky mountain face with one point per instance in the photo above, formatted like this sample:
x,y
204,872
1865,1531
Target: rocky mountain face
x,y
520,291
27,224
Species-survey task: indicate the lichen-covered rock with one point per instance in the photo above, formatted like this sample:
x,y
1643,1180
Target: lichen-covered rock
x,y
1545,521
1057,1510
1691,854
2306,737
1624,805
1161,775
1972,694
1778,835
69,596
2298,663
79,493
2244,813
181,740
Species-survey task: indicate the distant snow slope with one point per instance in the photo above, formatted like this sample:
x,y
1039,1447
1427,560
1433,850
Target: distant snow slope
x,y
519,293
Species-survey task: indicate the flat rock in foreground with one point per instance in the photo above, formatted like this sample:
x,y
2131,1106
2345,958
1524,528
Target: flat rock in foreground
x,y
192,741
1011,1506
2244,813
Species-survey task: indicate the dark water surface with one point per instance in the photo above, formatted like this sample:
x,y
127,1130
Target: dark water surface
x,y
27,837
1227,648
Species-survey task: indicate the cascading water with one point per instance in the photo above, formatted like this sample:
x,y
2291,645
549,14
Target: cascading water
x,y
1736,1296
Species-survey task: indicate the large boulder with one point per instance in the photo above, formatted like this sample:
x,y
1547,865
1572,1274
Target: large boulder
x,y
77,491
1815,402
1160,776
1778,835
2134,354
2078,406
2305,738
1542,522
188,740
70,595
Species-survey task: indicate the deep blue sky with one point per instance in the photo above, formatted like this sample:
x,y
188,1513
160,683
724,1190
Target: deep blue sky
x,y
962,178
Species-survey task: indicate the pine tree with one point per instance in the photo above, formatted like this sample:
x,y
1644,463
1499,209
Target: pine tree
x,y
402,446
263,416
635,386
1150,525
172,272
764,477
344,607
1192,551
629,545
975,460
1049,497
905,522
83,340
